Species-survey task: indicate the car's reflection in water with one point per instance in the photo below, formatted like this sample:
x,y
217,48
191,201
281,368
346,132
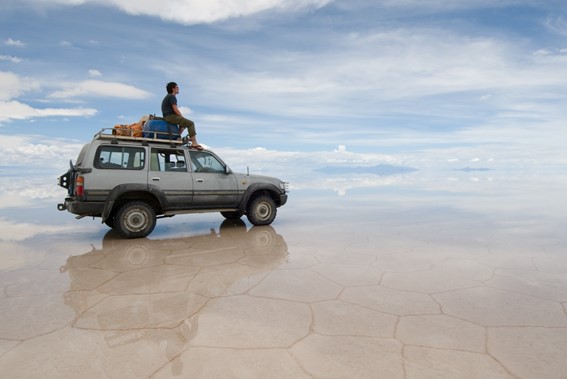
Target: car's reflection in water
x,y
144,291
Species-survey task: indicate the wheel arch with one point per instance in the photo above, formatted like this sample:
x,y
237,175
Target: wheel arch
x,y
258,190
125,193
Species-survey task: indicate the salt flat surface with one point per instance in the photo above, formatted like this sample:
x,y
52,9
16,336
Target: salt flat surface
x,y
456,276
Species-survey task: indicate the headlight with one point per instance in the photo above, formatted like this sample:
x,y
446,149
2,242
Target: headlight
x,y
284,186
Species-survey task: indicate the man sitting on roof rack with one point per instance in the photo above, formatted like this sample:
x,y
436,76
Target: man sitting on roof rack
x,y
172,114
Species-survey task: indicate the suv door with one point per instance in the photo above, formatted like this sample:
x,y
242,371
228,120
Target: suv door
x,y
169,172
214,185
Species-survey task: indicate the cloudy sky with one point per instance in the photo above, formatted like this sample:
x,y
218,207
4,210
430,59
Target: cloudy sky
x,y
421,83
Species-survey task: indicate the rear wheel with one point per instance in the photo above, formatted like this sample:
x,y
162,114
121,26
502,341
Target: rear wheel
x,y
135,219
261,210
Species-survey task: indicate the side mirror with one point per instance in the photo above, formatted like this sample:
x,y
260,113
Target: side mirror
x,y
227,170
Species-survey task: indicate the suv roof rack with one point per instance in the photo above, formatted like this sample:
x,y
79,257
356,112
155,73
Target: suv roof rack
x,y
159,137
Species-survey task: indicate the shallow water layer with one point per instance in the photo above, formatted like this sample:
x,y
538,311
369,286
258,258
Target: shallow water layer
x,y
365,277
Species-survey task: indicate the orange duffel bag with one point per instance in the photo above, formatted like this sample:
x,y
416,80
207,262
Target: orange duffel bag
x,y
130,130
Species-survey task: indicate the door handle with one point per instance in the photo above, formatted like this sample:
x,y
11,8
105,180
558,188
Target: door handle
x,y
155,179
200,181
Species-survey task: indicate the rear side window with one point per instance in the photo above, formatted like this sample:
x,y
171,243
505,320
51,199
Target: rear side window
x,y
168,160
120,158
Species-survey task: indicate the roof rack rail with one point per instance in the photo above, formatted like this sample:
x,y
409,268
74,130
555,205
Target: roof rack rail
x,y
129,135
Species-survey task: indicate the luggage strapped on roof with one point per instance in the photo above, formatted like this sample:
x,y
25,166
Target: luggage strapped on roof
x,y
109,133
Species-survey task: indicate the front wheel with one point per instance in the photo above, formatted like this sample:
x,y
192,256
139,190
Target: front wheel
x,y
135,219
261,210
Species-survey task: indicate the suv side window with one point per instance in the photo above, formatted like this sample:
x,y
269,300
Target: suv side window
x,y
167,160
120,157
204,162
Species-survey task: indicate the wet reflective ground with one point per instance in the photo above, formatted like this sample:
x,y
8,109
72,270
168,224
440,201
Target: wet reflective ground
x,y
461,277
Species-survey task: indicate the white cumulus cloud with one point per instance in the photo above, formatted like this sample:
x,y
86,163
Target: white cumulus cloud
x,y
196,11
208,11
99,89
94,73
14,110
13,85
14,42
24,150
10,58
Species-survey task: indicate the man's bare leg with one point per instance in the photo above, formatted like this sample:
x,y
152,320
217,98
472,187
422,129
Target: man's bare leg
x,y
194,143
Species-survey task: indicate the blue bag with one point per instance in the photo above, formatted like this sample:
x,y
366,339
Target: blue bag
x,y
160,129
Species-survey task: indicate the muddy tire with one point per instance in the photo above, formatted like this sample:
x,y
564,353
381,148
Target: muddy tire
x,y
135,219
261,210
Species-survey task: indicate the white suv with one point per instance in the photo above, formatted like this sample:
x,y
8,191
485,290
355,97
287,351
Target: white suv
x,y
131,181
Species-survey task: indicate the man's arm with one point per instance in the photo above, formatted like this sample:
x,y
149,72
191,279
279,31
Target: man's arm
x,y
176,110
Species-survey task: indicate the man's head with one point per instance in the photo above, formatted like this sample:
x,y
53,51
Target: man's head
x,y
171,86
